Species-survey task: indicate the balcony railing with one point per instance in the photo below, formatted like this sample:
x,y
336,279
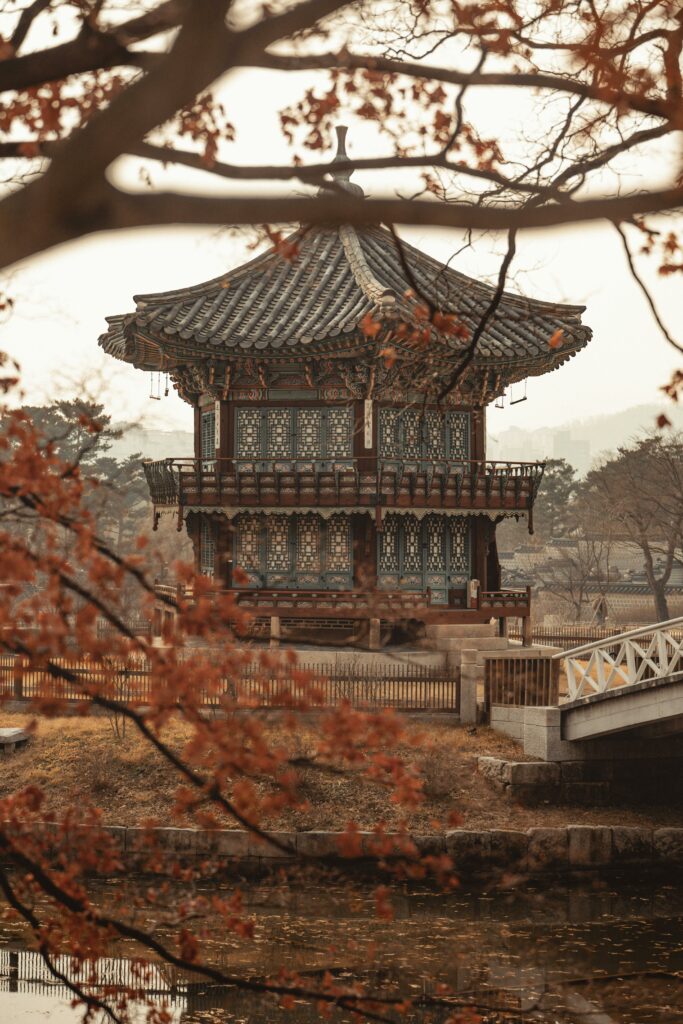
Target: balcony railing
x,y
392,483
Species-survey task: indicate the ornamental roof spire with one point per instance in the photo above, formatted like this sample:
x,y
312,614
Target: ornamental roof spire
x,y
343,177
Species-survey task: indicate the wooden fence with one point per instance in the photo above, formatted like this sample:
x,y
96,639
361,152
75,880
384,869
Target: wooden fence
x,y
403,686
523,682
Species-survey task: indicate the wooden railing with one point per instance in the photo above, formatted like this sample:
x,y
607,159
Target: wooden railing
x,y
345,483
400,685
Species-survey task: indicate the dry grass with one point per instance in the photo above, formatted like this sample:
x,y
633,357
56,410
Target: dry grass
x,y
80,759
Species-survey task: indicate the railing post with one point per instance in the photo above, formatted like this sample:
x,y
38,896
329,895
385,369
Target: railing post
x,y
275,631
18,678
526,631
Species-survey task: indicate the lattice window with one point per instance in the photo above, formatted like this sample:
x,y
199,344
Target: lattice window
x,y
308,543
277,544
412,545
435,440
248,548
279,433
389,440
338,544
412,433
388,544
207,548
208,435
309,442
458,424
436,556
460,545
339,433
248,434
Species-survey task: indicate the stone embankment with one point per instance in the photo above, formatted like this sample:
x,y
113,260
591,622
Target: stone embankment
x,y
534,852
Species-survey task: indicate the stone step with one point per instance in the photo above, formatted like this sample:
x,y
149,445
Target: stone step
x,y
477,657
456,630
465,643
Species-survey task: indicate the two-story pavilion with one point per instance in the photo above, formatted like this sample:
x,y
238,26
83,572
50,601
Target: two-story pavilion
x,y
339,427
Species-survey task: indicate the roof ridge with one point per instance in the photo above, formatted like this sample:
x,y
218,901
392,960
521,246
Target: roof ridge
x,y
368,283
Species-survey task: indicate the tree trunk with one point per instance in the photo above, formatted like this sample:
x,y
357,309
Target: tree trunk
x,y
661,605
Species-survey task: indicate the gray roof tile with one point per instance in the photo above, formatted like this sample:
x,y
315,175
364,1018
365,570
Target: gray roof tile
x,y
338,275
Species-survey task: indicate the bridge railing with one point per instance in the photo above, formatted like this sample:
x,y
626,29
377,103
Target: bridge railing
x,y
638,655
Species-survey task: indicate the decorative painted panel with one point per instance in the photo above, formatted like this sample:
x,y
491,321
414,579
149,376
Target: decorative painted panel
x,y
277,544
309,440
388,544
208,436
460,545
412,544
339,433
279,433
338,544
207,548
432,553
249,433
412,433
248,546
458,428
435,440
308,543
389,440
436,555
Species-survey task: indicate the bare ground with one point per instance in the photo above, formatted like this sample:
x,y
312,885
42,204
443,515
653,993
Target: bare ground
x,y
74,760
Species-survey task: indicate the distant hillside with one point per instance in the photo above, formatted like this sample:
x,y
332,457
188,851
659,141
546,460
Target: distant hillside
x,y
154,444
581,442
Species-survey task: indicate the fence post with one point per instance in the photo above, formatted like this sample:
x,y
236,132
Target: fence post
x,y
374,642
18,678
275,632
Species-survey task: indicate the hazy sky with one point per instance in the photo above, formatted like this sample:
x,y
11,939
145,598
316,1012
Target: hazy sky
x,y
63,296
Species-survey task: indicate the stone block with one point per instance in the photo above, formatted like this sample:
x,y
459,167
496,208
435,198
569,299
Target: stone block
x,y
586,794
534,796
631,845
508,849
468,700
492,768
587,771
548,849
185,840
318,844
589,845
135,839
266,850
534,773
432,845
117,833
206,842
232,842
668,845
467,849
479,629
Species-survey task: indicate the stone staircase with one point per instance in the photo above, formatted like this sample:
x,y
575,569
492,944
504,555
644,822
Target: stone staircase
x,y
464,644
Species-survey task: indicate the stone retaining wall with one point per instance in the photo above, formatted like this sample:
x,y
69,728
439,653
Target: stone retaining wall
x,y
587,783
536,851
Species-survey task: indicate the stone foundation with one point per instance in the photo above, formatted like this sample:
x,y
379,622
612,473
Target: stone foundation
x,y
535,851
595,783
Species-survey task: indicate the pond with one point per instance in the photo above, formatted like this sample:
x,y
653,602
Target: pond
x,y
589,952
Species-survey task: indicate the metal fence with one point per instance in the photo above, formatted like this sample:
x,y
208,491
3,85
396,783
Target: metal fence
x,y
574,634
523,682
399,685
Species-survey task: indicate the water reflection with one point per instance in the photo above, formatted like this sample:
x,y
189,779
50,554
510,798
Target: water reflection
x,y
573,953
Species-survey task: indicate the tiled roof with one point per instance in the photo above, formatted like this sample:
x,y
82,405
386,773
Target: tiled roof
x,y
317,300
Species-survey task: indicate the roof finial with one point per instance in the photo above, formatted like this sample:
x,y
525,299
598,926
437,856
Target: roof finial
x,y
343,177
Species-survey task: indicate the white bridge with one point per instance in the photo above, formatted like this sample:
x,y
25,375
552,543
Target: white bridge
x,y
628,681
